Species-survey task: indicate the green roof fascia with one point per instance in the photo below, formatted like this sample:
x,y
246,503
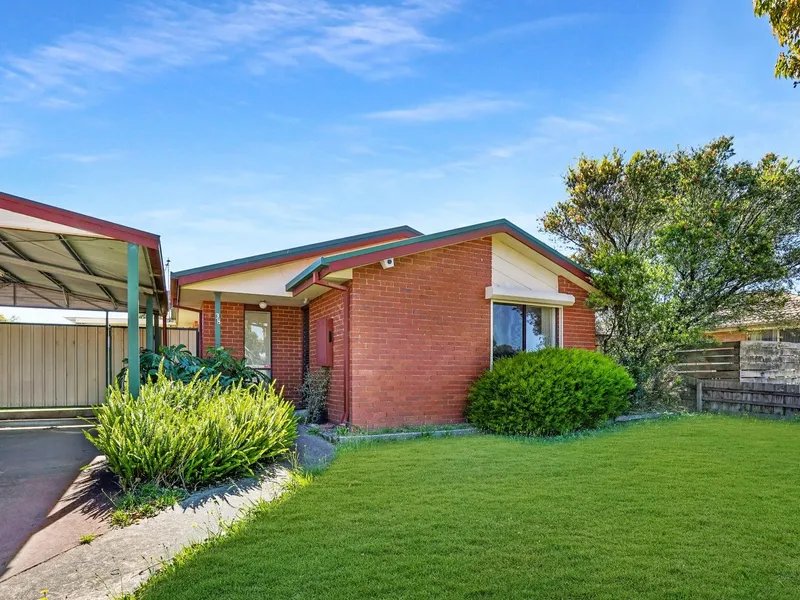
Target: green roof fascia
x,y
432,237
289,252
307,272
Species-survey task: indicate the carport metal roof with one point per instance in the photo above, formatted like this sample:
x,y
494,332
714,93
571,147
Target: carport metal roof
x,y
56,258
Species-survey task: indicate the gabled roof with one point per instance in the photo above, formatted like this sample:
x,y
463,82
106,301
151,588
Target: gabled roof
x,y
291,254
422,243
51,257
786,316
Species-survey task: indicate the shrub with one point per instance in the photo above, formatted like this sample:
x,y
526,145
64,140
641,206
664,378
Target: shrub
x,y
191,434
549,392
181,365
314,393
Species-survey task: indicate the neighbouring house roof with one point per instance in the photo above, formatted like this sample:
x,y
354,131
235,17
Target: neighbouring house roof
x,y
269,259
51,257
789,315
365,256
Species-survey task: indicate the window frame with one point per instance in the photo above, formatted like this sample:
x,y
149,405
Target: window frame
x,y
254,308
557,332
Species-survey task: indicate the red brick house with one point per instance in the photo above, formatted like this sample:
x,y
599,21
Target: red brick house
x,y
405,321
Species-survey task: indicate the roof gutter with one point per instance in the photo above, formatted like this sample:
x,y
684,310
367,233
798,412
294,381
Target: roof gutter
x,y
346,326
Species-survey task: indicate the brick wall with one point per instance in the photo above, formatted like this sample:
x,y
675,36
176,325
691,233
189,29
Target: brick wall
x,y
419,335
330,306
579,321
287,350
287,341
232,327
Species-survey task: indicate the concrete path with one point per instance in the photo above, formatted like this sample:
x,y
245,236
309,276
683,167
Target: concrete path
x,y
83,510
36,467
120,560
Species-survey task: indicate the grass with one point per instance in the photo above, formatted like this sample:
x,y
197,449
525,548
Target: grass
x,y
146,500
689,508
88,538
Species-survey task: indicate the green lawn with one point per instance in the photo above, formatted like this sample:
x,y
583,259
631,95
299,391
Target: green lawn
x,y
695,507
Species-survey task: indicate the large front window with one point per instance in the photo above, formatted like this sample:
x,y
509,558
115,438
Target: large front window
x,y
258,340
519,327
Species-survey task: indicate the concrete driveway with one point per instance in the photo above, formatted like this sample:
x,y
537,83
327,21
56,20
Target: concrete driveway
x,y
37,466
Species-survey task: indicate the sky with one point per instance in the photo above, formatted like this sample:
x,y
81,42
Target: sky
x,y
237,127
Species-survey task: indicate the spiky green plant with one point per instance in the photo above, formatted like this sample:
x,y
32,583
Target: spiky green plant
x,y
191,434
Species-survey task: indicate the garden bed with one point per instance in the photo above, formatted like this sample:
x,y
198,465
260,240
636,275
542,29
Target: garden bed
x,y
348,435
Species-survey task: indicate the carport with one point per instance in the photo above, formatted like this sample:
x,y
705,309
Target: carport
x,y
55,258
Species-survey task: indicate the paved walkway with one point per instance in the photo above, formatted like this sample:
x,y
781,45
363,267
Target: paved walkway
x,y
37,466
120,560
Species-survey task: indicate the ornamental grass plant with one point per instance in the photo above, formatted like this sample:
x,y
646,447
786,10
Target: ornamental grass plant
x,y
178,434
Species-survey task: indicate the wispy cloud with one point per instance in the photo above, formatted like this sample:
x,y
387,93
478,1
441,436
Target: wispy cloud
x,y
369,39
561,125
10,140
85,158
532,27
452,109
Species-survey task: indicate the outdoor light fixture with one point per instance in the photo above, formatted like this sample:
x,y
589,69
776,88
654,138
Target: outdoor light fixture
x,y
262,305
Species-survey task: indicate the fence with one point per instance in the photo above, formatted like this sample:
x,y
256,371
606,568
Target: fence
x,y
769,399
719,362
45,366
753,362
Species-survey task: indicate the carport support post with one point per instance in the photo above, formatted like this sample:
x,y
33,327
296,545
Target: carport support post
x,y
217,319
148,323
133,320
157,333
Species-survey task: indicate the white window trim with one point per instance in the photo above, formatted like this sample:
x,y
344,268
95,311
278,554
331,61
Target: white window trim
x,y
538,298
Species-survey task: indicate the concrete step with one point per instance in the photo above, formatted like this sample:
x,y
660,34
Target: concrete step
x,y
17,425
20,414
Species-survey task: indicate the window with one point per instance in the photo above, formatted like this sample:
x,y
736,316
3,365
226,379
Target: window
x,y
790,335
764,335
258,340
518,327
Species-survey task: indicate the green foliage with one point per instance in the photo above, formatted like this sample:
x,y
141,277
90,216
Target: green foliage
x,y
181,365
679,243
142,501
191,434
550,392
87,538
314,393
784,17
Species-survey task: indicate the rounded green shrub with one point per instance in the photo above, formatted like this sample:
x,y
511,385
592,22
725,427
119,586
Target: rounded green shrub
x,y
549,392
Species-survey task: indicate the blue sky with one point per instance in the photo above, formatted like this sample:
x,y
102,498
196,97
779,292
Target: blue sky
x,y
236,127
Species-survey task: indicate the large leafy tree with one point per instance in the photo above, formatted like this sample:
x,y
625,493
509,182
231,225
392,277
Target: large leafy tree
x,y
679,243
784,17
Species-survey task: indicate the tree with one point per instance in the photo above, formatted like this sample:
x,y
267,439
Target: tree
x,y
784,17
679,243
